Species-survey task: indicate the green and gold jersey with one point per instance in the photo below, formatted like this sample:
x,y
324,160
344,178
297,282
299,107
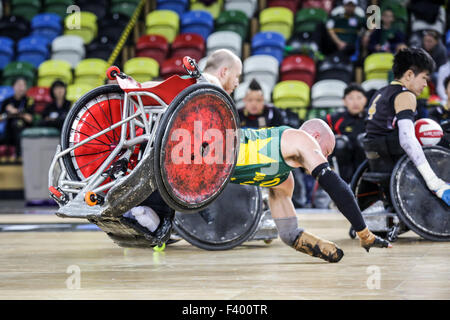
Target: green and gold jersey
x,y
260,162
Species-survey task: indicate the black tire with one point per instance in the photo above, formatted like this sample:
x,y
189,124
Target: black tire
x,y
71,116
165,123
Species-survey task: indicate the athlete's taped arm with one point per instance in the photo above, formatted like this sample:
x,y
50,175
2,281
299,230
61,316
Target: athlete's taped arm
x,y
340,193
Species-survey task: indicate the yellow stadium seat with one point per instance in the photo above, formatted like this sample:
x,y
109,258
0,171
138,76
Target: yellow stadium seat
x,y
142,69
77,90
425,93
163,22
378,65
89,71
277,19
82,24
52,70
291,94
214,8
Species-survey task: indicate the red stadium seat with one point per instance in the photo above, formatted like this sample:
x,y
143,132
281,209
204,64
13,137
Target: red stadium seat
x,y
298,67
152,46
326,5
171,67
290,4
41,97
188,44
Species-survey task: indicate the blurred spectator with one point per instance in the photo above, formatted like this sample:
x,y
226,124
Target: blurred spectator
x,y
443,73
256,113
343,31
19,110
441,114
432,43
55,112
347,126
386,39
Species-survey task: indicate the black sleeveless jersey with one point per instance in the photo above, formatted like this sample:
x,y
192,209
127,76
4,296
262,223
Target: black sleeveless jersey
x,y
381,119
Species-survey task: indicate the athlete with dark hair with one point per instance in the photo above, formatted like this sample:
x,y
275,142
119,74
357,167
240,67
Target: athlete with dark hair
x,y
390,122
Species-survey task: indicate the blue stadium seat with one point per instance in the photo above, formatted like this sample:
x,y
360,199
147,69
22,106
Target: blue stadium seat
x,y
6,51
33,49
447,40
5,93
48,25
269,43
179,6
200,22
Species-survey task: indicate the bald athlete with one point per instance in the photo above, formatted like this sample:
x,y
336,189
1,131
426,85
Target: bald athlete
x,y
267,156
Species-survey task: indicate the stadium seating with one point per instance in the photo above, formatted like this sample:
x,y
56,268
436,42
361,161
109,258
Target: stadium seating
x,y
306,19
69,48
233,20
268,43
200,22
6,51
87,25
52,70
25,8
370,86
47,25
33,49
76,90
101,48
246,6
214,8
91,71
377,65
303,43
5,93
112,26
179,6
292,94
326,5
41,97
126,7
172,67
328,94
14,27
447,41
439,25
277,19
333,67
97,7
298,67
241,91
59,7
153,46
17,69
163,22
289,4
263,68
142,69
224,40
188,44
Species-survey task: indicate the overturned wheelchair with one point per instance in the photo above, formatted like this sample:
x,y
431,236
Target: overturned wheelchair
x,y
396,202
120,143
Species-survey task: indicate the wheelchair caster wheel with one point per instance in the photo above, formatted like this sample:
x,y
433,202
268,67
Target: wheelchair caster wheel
x,y
159,248
392,235
92,199
268,241
352,233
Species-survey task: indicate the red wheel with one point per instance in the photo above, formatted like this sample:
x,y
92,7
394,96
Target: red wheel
x,y
196,147
95,112
112,72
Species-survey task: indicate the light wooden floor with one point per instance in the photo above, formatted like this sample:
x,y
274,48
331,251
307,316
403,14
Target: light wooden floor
x,y
34,266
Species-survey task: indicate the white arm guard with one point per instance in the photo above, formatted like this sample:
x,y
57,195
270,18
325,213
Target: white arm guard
x,y
409,143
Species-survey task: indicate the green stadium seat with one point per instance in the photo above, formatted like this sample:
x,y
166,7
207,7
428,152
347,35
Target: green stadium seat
x,y
88,26
58,6
307,19
16,69
293,95
377,65
277,19
163,22
91,71
25,8
52,70
76,90
142,69
233,20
